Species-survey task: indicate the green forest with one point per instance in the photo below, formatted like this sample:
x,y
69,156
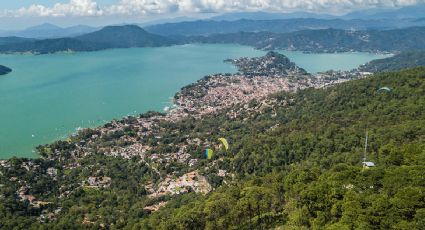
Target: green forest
x,y
399,61
296,165
108,37
326,40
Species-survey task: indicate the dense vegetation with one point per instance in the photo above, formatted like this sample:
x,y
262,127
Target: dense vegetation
x,y
327,40
400,61
307,172
106,38
4,70
11,40
297,165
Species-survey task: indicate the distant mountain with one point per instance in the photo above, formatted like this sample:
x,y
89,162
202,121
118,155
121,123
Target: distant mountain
x,y
79,30
322,40
326,40
167,20
400,61
43,27
366,13
208,27
124,37
415,11
269,16
50,31
4,70
106,38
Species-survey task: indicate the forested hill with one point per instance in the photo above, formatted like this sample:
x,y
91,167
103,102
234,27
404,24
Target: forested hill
x,y
4,70
272,64
400,61
109,37
124,37
302,169
296,164
327,40
11,40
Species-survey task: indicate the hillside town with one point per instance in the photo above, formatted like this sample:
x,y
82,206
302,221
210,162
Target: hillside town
x,y
142,136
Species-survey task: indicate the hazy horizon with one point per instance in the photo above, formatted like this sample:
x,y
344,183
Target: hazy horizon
x,y
17,15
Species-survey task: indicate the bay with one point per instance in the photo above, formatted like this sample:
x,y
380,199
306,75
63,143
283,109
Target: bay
x,y
48,97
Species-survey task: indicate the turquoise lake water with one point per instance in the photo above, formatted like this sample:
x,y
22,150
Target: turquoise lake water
x,y
47,97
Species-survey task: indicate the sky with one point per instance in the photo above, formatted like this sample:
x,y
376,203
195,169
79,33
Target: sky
x,y
17,14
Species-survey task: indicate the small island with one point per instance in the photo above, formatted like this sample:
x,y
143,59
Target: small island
x,y
4,70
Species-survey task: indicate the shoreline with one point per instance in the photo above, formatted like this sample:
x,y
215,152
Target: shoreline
x,y
176,111
70,51
171,145
210,95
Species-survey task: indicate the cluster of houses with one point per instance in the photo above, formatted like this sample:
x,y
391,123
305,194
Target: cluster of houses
x,y
32,200
97,182
192,181
226,91
332,77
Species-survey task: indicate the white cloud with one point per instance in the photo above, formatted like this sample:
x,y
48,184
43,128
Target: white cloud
x,y
141,7
73,8
151,7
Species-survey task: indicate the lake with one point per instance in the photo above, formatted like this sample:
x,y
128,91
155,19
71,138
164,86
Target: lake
x,y
48,97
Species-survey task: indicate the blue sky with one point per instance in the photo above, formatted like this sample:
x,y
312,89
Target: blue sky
x,y
16,14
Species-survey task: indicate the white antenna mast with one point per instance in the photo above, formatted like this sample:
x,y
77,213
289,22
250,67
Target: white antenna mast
x,y
365,148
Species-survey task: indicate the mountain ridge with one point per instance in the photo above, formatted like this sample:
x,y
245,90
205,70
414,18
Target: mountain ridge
x,y
208,27
324,40
126,36
47,30
327,40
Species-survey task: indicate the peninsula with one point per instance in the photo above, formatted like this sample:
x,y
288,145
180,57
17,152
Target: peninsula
x,y
4,70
